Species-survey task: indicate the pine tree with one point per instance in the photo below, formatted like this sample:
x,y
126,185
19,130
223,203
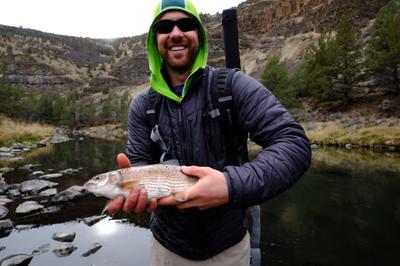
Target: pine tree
x,y
383,48
45,108
347,55
275,78
319,68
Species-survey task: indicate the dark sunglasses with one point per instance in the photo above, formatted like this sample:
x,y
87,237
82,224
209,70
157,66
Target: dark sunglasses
x,y
166,25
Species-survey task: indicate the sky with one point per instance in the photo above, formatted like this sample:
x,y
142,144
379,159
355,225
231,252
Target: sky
x,y
92,18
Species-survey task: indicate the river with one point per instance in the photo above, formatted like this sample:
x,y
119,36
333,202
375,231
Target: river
x,y
344,211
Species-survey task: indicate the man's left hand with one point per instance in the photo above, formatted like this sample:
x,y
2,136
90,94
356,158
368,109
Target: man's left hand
x,y
211,190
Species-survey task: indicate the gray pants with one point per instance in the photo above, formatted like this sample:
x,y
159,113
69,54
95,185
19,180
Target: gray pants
x,y
237,255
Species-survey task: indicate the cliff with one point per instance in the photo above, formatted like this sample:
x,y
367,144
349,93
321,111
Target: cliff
x,y
41,61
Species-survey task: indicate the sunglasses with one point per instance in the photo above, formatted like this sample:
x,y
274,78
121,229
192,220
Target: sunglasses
x,y
166,25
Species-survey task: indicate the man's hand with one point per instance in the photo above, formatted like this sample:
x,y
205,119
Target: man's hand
x,y
137,198
211,190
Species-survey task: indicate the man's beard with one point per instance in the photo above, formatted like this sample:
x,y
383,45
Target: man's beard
x,y
184,67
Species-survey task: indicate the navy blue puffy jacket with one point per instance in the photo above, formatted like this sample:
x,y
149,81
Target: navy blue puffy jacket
x,y
194,138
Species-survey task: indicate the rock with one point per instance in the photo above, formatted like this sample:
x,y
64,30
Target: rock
x,y
41,144
314,146
34,186
28,207
64,237
3,185
13,193
48,192
50,176
68,171
28,167
92,220
41,249
70,193
17,146
16,260
5,149
4,200
6,170
2,248
92,249
6,227
3,211
21,227
38,173
64,250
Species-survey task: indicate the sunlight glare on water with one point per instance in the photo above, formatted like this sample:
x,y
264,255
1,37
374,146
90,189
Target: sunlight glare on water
x,y
106,227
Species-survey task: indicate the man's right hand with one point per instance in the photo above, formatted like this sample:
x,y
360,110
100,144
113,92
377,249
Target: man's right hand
x,y
137,198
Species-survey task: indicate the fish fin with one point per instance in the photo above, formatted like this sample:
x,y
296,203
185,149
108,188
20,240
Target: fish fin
x,y
105,209
181,196
128,185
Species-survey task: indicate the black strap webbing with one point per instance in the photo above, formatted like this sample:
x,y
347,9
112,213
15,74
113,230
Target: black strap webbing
x,y
222,102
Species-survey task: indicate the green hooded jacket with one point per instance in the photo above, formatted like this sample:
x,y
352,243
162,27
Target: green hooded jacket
x,y
157,81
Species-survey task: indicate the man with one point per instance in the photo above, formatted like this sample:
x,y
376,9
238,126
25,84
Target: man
x,y
210,227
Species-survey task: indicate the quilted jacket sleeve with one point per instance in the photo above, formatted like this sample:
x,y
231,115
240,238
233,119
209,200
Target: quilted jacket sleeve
x,y
140,148
285,155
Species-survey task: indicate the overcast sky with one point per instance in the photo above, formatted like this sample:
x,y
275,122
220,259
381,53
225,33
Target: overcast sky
x,y
92,18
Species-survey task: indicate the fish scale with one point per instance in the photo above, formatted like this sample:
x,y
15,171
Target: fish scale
x,y
159,180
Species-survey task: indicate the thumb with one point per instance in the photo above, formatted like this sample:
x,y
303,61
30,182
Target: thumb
x,y
193,171
123,161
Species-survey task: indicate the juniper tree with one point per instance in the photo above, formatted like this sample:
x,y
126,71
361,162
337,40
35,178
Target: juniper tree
x,y
383,48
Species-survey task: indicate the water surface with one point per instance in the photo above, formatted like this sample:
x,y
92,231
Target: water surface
x,y
344,211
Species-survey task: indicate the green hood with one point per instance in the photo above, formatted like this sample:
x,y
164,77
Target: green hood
x,y
157,81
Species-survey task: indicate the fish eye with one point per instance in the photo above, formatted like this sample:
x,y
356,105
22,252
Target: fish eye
x,y
100,178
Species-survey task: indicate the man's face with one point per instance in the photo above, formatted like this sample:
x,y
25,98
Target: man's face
x,y
178,48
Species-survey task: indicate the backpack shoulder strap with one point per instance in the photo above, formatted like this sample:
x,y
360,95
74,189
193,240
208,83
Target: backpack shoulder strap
x,y
152,107
222,102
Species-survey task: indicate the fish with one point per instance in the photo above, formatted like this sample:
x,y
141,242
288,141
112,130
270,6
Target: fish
x,y
159,180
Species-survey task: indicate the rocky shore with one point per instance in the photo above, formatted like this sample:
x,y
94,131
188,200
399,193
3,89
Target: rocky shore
x,y
40,196
15,152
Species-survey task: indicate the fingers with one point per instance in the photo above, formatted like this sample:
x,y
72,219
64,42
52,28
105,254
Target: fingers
x,y
142,201
136,201
152,205
115,205
167,201
123,161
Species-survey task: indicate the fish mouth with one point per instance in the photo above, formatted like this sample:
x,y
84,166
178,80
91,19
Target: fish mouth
x,y
89,186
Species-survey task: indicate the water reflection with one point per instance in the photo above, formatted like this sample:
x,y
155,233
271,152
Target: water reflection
x,y
344,211
125,245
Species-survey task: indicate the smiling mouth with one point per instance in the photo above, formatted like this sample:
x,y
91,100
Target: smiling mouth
x,y
177,48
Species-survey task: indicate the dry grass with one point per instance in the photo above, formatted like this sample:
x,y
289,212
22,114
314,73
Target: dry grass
x,y
332,134
13,132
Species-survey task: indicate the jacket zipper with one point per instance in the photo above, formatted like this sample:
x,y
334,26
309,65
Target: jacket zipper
x,y
186,137
190,141
182,137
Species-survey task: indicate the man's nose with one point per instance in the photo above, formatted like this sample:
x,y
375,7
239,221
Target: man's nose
x,y
176,31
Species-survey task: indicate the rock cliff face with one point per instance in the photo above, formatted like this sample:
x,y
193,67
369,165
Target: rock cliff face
x,y
290,17
42,61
